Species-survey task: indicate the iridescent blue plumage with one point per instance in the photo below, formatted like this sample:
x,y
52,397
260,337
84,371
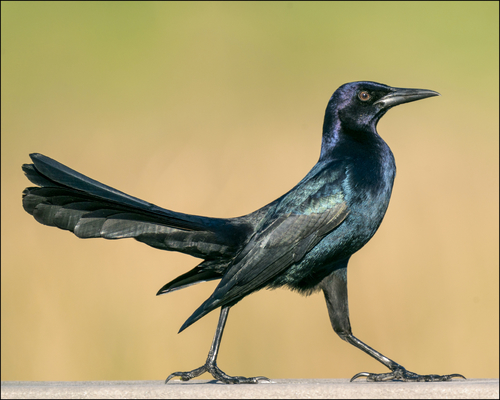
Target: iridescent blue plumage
x,y
302,240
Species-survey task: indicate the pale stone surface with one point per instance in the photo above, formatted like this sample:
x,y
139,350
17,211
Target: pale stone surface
x,y
280,388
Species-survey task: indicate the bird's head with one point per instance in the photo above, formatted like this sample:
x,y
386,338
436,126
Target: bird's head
x,y
358,106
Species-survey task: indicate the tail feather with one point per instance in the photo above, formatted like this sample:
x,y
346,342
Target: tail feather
x,y
72,201
206,271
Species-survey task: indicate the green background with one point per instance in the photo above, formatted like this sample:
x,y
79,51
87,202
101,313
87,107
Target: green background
x,y
216,109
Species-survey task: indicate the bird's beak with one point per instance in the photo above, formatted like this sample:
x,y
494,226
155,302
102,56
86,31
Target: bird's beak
x,y
401,96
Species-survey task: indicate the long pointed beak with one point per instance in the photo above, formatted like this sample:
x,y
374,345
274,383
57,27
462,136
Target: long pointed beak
x,y
401,96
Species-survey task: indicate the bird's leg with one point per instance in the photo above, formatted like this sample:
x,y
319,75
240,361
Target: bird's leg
x,y
335,290
398,372
211,363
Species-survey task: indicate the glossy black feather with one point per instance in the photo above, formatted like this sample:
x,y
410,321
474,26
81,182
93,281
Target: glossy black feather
x,y
302,240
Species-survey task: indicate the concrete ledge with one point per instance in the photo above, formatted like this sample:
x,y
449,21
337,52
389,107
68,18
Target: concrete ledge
x,y
280,388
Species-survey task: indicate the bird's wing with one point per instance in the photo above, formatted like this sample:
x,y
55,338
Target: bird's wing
x,y
315,207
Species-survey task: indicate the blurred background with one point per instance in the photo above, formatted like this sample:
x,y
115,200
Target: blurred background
x,y
217,109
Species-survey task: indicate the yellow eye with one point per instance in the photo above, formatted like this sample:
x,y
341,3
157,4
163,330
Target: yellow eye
x,y
364,96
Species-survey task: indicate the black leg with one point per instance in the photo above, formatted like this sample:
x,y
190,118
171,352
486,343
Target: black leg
x,y
335,290
211,363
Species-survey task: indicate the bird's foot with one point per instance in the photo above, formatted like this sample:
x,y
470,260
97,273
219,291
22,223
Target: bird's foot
x,y
401,374
217,374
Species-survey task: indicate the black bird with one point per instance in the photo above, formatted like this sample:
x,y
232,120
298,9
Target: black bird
x,y
302,240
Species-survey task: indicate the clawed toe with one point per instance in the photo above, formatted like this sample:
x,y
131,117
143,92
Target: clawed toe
x,y
242,379
186,376
401,374
217,374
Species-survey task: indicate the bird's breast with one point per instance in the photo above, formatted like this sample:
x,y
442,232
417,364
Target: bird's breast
x,y
368,189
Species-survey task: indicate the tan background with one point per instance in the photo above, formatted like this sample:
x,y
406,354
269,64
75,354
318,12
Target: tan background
x,y
216,109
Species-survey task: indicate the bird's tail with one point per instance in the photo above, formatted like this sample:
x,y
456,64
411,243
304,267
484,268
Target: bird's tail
x,y
69,200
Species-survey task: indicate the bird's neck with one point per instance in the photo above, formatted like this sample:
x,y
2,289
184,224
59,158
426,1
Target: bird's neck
x,y
332,134
338,139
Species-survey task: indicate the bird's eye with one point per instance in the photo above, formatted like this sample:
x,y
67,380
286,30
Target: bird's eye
x,y
364,96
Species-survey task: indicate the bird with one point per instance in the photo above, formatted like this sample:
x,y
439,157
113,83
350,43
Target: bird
x,y
302,241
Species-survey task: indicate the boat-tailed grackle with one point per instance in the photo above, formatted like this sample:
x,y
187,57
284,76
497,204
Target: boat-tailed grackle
x,y
302,240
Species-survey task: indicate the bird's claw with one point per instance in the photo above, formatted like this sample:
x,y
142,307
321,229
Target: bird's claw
x,y
186,376
401,374
217,374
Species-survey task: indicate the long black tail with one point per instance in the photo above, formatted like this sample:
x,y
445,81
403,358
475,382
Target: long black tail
x,y
69,200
